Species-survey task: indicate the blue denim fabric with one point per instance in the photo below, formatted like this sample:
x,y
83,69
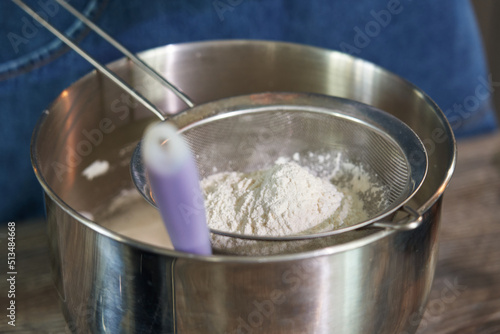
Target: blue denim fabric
x,y
434,44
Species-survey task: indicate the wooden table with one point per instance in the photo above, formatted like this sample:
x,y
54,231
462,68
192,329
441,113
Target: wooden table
x,y
469,257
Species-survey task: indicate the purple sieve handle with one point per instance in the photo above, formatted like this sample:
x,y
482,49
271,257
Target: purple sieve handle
x,y
177,193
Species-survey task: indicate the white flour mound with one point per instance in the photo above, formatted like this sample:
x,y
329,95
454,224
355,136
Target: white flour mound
x,y
327,193
283,200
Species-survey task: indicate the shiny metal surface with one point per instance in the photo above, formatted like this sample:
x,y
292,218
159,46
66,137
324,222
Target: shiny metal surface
x,y
368,282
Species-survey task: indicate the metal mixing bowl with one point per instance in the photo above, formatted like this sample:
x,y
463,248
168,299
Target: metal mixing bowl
x,y
369,281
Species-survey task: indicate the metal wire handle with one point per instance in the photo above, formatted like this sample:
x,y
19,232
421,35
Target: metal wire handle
x,y
100,67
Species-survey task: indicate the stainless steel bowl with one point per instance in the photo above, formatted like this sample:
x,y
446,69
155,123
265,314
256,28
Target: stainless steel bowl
x,y
368,281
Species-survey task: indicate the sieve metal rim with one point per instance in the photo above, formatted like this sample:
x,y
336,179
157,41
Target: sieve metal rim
x,y
382,122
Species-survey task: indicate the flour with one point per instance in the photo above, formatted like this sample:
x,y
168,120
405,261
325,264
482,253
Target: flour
x,y
298,194
97,168
283,200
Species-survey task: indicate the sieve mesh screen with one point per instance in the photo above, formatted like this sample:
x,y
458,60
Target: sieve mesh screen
x,y
251,140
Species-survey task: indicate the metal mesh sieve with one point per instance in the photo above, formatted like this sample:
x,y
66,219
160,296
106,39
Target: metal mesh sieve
x,y
248,133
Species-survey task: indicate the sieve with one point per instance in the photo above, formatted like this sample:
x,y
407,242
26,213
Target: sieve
x,y
249,132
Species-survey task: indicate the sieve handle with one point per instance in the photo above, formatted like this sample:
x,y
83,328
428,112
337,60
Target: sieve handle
x,y
136,60
103,69
408,223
